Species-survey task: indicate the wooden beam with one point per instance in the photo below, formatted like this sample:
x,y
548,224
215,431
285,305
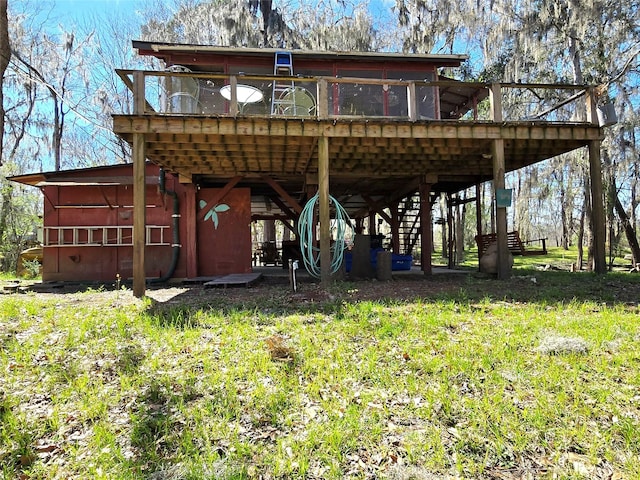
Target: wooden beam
x,y
377,207
323,99
412,101
283,193
450,233
139,100
597,205
591,103
233,102
139,194
369,131
504,266
290,214
478,214
395,227
495,98
217,198
324,207
139,216
190,240
426,239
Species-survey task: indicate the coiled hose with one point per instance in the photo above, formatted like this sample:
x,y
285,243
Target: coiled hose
x,y
306,227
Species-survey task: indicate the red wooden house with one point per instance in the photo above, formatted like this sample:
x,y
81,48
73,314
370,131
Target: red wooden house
x,y
257,132
88,226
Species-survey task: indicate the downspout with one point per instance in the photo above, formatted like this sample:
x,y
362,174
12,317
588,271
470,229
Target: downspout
x,y
175,243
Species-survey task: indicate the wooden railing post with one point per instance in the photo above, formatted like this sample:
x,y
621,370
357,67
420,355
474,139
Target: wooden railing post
x,y
139,100
323,99
412,101
233,105
592,106
495,97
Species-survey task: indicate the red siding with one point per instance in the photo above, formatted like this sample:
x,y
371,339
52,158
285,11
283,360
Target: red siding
x,y
112,205
224,237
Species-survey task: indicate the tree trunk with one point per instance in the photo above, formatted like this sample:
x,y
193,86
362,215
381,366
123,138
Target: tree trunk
x,y
629,231
5,55
460,214
580,259
589,223
57,133
443,216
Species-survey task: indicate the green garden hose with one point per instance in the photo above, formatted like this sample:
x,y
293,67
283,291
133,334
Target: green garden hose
x,y
306,227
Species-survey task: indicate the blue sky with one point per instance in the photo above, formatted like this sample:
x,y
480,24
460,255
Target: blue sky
x,y
77,9
80,7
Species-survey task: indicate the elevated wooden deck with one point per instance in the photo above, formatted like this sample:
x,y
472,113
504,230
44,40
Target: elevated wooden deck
x,y
378,156
368,162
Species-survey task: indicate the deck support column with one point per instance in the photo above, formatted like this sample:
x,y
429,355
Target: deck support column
x,y
190,243
497,151
478,209
139,193
395,227
324,211
597,205
139,215
426,238
503,266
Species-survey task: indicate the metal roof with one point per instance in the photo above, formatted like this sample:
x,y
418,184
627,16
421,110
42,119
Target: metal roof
x,y
389,57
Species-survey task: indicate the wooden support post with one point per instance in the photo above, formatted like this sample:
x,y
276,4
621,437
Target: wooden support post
x,y
478,210
450,234
139,215
139,193
504,266
395,227
324,207
497,147
597,204
426,238
190,242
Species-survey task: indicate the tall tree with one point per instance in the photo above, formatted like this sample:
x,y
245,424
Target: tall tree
x,y
586,41
320,25
5,55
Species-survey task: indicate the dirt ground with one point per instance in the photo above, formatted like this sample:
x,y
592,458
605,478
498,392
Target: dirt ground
x,y
459,286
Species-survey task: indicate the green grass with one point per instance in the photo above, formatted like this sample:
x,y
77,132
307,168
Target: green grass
x,y
449,378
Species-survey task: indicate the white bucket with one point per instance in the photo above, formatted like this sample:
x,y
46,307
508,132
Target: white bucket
x,y
607,115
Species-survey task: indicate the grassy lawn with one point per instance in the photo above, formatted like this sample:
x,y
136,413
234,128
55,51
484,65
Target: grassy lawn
x,y
536,377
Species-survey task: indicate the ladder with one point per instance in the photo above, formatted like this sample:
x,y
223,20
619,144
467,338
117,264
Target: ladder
x,y
281,99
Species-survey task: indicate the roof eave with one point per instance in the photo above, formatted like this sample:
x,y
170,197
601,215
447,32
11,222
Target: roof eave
x,y
159,48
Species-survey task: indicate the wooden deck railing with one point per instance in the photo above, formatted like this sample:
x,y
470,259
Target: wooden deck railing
x,y
191,93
